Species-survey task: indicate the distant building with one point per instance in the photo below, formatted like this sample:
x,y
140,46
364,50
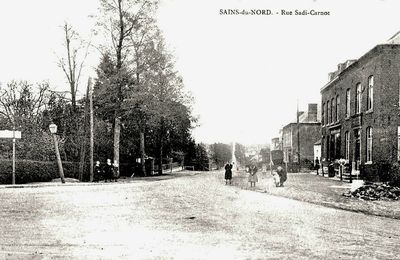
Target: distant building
x,y
276,143
360,109
317,150
309,128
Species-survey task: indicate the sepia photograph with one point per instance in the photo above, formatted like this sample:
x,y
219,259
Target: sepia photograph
x,y
214,129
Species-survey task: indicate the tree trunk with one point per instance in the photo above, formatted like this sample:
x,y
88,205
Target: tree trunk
x,y
142,152
91,128
117,134
160,171
82,149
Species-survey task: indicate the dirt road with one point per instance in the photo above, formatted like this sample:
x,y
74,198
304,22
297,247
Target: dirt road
x,y
194,217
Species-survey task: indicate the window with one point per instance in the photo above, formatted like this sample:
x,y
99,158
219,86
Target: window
x,y
369,144
323,114
333,108
358,99
328,112
347,102
370,93
337,107
357,148
347,145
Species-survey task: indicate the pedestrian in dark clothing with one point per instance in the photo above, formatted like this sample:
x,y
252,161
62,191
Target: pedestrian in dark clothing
x,y
108,171
98,173
228,173
317,165
282,175
115,171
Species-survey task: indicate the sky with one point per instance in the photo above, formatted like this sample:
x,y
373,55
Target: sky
x,y
247,73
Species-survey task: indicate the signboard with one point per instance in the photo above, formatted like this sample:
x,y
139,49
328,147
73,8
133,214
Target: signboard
x,y
10,134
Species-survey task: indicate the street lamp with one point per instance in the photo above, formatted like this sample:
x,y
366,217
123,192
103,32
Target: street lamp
x,y
53,131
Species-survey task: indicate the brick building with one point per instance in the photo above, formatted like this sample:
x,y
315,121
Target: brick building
x,y
309,128
360,109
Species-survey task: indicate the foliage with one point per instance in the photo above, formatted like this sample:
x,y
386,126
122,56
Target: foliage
x,y
202,161
28,171
24,106
377,172
394,175
220,154
240,153
196,155
120,19
138,92
152,100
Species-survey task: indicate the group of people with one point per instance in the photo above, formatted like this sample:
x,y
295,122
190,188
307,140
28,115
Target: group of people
x,y
279,176
108,172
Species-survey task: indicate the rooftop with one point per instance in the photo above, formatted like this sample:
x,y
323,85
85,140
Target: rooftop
x,y
393,42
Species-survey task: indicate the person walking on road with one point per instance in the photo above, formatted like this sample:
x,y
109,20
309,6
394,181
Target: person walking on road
x,y
253,176
317,165
228,174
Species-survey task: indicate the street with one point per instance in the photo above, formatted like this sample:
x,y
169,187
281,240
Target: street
x,y
192,217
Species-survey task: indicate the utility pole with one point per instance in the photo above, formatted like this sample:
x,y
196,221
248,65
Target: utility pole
x,y
91,127
298,136
13,155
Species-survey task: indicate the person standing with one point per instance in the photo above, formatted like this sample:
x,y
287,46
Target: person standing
x,y
97,172
253,176
115,171
317,166
228,174
108,171
282,175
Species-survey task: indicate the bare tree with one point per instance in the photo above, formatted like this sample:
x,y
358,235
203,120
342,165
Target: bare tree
x,y
20,103
73,63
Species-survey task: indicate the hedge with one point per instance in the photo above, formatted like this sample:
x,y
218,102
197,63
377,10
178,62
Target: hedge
x,y
27,171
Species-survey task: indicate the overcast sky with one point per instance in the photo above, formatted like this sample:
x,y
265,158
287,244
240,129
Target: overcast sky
x,y
245,72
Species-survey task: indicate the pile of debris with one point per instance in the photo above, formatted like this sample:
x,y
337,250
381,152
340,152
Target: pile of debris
x,y
375,192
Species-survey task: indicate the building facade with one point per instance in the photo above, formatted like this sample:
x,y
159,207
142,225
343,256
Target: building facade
x,y
360,109
308,130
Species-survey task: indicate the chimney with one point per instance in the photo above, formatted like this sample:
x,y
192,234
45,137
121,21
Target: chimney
x,y
341,67
349,62
331,75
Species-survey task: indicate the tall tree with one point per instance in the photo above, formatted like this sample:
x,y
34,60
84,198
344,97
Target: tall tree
x,y
119,19
168,106
142,43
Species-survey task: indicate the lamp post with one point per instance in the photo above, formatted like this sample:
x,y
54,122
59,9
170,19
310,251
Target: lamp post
x,y
53,131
